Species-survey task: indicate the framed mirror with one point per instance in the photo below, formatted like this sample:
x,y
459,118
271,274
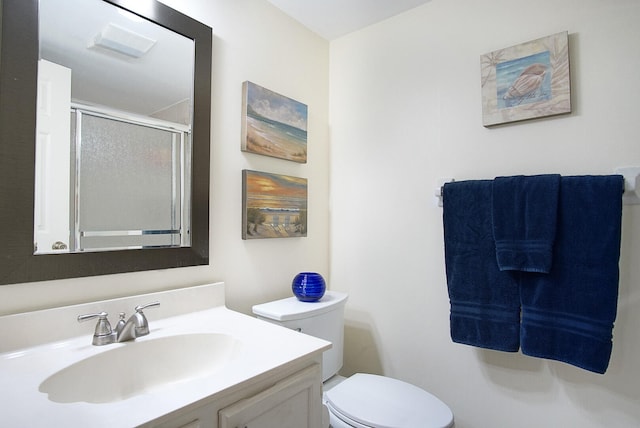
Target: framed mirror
x,y
187,239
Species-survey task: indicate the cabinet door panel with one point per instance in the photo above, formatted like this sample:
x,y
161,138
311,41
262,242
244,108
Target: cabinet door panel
x,y
294,402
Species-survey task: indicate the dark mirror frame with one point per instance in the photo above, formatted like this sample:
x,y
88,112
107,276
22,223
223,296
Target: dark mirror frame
x,y
19,51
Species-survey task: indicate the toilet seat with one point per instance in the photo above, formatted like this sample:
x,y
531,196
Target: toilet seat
x,y
366,400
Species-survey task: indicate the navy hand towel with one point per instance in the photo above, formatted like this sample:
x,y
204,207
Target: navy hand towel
x,y
524,221
568,314
485,303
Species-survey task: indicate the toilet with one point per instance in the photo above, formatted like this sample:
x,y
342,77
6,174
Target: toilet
x,y
362,400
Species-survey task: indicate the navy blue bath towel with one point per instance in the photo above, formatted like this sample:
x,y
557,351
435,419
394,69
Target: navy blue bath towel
x,y
524,221
485,303
568,314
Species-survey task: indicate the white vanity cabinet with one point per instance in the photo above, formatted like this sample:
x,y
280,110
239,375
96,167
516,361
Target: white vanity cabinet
x,y
205,366
291,398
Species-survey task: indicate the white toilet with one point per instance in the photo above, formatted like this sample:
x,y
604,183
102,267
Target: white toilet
x,y
362,400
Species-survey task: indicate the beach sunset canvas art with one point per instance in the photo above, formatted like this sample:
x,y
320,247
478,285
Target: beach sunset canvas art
x,y
273,205
272,124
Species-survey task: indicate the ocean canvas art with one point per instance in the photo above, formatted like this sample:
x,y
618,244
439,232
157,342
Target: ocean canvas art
x,y
272,124
273,205
527,81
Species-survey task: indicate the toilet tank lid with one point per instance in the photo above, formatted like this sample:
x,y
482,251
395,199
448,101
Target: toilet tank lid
x,y
293,309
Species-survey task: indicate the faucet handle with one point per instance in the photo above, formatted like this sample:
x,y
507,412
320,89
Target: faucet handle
x,y
103,334
143,326
139,308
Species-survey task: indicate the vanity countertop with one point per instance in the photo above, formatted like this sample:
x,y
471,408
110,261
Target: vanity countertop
x,y
262,347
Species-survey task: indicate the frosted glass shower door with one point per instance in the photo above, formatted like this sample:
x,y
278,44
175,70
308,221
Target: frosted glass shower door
x,y
130,185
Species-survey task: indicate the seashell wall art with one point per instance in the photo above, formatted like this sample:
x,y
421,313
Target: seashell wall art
x,y
527,81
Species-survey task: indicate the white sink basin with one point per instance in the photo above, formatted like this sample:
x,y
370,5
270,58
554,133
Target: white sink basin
x,y
140,366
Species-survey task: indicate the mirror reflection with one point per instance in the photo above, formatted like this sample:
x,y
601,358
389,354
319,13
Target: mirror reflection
x,y
113,137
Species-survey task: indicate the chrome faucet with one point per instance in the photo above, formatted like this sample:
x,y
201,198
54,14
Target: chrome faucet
x,y
136,326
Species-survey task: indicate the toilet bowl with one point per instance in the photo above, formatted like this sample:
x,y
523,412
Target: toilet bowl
x,y
366,400
362,400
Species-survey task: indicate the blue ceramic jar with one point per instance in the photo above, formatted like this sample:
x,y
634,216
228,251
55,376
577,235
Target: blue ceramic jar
x,y
308,286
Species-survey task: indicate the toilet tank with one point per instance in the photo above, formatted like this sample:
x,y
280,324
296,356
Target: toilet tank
x,y
323,319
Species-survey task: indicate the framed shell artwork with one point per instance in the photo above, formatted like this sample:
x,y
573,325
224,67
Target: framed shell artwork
x,y
526,81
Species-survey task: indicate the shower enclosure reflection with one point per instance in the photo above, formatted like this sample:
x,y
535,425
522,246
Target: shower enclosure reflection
x,y
113,137
19,53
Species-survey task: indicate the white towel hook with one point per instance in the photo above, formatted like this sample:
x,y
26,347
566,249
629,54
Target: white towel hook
x,y
631,175
438,191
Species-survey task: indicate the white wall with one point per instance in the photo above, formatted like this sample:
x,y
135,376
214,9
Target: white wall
x,y
405,110
253,41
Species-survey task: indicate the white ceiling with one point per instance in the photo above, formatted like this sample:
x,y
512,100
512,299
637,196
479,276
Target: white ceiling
x,y
73,24
159,79
335,18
